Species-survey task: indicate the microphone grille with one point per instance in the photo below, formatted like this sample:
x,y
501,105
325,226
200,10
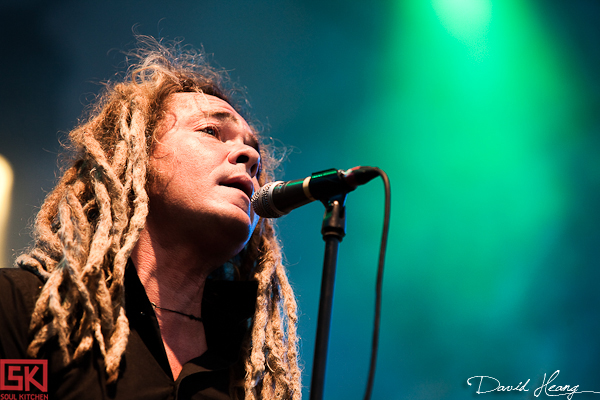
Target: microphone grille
x,y
262,201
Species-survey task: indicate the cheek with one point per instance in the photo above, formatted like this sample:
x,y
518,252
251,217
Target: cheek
x,y
177,160
160,171
161,157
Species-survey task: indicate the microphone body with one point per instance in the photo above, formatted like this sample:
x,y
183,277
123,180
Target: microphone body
x,y
276,199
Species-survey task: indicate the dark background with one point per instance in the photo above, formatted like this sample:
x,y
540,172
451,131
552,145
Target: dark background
x,y
483,113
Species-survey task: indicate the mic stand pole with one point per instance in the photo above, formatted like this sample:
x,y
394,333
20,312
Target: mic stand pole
x,y
333,231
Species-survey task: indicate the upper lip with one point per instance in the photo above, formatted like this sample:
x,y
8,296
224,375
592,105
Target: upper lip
x,y
241,182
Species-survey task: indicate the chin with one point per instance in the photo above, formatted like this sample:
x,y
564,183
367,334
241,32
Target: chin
x,y
237,235
226,232
243,242
245,223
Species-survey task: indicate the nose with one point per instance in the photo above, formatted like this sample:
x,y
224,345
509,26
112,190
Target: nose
x,y
247,155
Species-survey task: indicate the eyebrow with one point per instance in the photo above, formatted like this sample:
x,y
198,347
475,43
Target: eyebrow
x,y
224,116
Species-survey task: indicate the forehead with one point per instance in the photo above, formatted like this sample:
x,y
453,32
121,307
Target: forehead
x,y
198,105
196,110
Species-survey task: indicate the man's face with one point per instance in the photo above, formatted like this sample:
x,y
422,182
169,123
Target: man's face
x,y
204,171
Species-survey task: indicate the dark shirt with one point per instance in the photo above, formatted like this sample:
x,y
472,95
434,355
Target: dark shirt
x,y
145,372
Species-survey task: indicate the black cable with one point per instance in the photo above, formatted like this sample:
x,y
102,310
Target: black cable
x,y
379,283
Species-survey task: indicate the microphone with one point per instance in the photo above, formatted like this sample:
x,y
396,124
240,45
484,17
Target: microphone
x,y
276,199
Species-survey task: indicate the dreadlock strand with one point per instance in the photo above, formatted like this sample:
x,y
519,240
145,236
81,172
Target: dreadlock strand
x,y
104,322
266,383
70,208
78,294
263,302
138,172
41,310
93,271
274,353
58,325
269,379
118,342
100,241
291,308
35,263
123,165
277,361
103,170
85,344
81,230
46,224
250,381
119,160
281,362
135,173
98,335
39,339
89,311
255,368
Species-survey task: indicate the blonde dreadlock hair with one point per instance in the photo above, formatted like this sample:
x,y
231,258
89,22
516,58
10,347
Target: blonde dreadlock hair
x,y
88,225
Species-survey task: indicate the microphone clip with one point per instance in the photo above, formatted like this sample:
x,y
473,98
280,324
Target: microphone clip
x,y
334,220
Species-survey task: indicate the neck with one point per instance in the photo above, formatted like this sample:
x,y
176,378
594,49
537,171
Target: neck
x,y
174,278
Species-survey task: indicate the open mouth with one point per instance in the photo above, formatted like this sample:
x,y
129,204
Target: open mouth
x,y
241,184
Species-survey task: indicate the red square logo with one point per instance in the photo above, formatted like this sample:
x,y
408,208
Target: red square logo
x,y
23,375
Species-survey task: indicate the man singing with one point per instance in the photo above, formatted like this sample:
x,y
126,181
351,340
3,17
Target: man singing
x,y
151,276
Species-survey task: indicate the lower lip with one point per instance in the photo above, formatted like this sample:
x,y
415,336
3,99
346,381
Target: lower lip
x,y
240,191
247,204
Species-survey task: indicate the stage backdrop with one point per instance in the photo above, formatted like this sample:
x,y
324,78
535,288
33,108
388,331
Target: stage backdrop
x,y
483,113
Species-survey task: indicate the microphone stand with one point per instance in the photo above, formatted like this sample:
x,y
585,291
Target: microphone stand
x,y
333,231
